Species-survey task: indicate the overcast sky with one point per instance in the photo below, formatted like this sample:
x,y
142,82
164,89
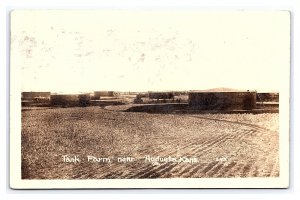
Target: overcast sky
x,y
80,51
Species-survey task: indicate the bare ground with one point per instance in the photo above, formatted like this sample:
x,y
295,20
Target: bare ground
x,y
226,145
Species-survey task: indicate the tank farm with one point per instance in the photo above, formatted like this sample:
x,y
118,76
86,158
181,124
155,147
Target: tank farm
x,y
154,134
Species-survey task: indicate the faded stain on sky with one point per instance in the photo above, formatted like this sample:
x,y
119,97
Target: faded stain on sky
x,y
62,51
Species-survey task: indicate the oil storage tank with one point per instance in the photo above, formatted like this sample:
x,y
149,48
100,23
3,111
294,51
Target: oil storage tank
x,y
222,100
70,100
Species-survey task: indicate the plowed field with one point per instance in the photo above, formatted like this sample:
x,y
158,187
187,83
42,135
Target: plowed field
x,y
184,145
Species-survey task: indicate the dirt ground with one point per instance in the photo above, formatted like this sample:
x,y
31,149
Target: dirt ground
x,y
142,145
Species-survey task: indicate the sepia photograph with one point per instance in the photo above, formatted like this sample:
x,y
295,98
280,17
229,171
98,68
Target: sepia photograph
x,y
149,99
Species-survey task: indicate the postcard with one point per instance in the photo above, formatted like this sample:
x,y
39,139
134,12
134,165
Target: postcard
x,y
149,99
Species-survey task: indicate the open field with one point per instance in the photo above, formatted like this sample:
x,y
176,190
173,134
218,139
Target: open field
x,y
207,145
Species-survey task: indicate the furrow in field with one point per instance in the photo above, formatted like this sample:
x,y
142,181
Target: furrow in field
x,y
154,172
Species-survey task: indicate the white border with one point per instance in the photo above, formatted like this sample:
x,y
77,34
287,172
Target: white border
x,y
291,193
